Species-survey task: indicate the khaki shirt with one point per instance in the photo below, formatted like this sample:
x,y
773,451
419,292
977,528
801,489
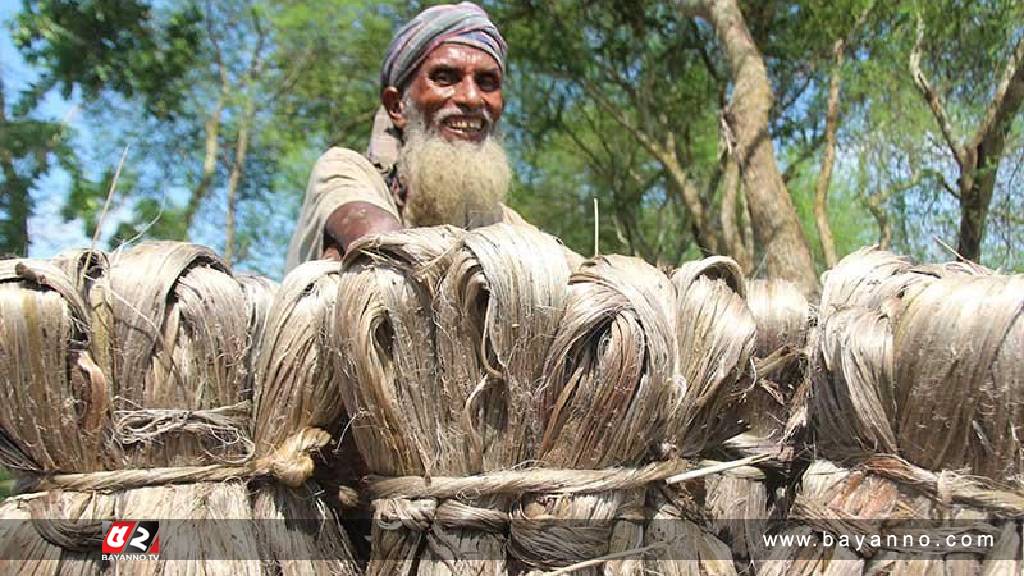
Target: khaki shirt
x,y
341,176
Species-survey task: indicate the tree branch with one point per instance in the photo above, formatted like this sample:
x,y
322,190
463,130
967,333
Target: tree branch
x,y
584,148
828,245
218,54
805,153
655,148
934,101
1007,99
292,76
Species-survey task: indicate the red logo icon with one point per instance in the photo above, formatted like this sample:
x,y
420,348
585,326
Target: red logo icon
x,y
130,539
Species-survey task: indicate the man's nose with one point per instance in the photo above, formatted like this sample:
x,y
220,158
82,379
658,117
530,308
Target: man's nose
x,y
468,94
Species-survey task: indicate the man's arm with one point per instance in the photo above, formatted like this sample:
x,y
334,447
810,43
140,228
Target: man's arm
x,y
352,221
346,198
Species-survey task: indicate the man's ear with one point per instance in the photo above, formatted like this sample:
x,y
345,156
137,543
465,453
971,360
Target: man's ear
x,y
392,101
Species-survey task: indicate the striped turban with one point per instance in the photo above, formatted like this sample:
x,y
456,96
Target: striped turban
x,y
464,23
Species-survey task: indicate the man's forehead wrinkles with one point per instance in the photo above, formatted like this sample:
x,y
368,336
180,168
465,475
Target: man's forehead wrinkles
x,y
457,56
462,67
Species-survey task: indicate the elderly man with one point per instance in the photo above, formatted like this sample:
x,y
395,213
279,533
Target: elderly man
x,y
434,157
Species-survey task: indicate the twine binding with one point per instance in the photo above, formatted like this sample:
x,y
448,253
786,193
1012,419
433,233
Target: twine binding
x,y
290,463
546,480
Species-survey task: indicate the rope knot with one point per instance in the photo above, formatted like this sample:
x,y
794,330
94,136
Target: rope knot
x,y
292,461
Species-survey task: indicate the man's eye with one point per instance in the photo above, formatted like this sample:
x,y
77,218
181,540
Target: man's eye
x,y
488,82
444,77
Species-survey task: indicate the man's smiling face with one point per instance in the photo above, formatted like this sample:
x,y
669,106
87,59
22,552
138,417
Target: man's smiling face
x,y
457,91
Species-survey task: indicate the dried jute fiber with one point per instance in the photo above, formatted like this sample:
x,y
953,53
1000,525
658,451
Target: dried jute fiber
x,y
259,294
297,391
715,338
744,508
608,397
775,384
505,407
915,408
716,333
775,404
54,404
158,426
386,360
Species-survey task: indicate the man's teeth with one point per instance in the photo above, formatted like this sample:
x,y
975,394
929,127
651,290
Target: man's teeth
x,y
466,124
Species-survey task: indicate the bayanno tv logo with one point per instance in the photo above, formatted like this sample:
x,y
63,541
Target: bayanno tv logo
x,y
125,539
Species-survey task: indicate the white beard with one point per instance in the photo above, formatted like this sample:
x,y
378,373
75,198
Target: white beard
x,y
458,183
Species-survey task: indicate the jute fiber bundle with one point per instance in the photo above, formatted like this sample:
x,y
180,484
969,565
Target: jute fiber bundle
x,y
88,269
259,294
178,343
893,370
401,420
778,367
970,392
864,280
54,398
608,395
85,268
782,315
715,341
53,411
866,277
753,505
715,338
496,308
916,411
166,413
385,340
297,398
471,319
505,408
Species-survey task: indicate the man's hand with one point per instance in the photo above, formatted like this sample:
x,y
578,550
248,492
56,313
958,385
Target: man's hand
x,y
352,221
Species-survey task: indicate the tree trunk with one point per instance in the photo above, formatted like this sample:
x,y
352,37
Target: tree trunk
x,y
829,155
973,211
988,147
237,169
242,142
212,146
975,196
773,216
17,192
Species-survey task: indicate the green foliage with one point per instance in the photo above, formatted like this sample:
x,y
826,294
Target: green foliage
x,y
585,80
29,148
150,219
851,223
894,137
340,45
582,76
117,45
87,198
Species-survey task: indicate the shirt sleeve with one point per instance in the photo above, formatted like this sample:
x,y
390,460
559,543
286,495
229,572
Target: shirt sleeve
x,y
340,176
